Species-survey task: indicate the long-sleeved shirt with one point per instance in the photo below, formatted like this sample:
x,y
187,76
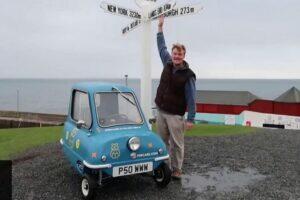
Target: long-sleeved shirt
x,y
190,89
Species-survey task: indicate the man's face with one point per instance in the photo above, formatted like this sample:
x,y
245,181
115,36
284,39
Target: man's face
x,y
178,56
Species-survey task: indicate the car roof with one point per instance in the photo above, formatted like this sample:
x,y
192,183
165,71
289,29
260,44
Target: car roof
x,y
93,87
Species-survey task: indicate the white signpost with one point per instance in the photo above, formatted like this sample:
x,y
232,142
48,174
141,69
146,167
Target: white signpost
x,y
143,18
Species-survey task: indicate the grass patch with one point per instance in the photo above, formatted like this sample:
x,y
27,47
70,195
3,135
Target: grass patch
x,y
15,141
217,130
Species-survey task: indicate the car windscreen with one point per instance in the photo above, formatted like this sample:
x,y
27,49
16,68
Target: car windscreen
x,y
116,108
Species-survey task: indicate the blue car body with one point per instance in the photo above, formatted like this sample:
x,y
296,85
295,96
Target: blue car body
x,y
104,147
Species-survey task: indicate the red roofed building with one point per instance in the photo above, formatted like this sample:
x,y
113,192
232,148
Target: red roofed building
x,y
235,102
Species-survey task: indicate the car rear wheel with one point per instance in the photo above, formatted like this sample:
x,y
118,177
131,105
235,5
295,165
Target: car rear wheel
x,y
162,175
88,187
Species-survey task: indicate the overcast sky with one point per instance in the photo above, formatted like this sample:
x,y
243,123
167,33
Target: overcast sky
x,y
76,39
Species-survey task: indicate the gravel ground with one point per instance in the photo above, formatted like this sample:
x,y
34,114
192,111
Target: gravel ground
x,y
264,165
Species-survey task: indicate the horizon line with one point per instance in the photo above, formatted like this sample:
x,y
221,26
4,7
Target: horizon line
x,y
93,78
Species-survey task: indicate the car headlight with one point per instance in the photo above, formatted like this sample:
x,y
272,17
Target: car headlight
x,y
103,158
160,150
134,143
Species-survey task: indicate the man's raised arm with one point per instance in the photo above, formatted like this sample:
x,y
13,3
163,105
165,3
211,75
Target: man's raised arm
x,y
161,44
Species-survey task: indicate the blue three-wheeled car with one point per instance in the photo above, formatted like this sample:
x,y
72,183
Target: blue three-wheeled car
x,y
106,136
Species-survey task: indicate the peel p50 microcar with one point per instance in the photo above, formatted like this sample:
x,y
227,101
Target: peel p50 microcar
x,y
106,136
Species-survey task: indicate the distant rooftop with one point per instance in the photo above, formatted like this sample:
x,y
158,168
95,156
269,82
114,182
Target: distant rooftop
x,y
290,96
225,97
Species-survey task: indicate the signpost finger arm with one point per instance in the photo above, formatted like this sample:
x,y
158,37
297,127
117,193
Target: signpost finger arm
x,y
182,11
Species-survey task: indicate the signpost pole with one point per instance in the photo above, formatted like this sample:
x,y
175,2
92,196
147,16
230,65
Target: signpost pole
x,y
144,18
146,82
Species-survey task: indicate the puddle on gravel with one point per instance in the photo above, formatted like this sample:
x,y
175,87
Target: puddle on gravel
x,y
221,180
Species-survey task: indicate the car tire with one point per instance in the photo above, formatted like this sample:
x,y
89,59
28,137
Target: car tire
x,y
88,187
162,175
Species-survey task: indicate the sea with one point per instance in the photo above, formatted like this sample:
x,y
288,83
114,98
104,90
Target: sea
x,y
52,95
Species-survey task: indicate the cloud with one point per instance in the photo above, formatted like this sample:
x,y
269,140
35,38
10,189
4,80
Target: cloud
x,y
76,39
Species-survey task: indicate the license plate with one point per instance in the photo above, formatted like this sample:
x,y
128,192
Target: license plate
x,y
132,169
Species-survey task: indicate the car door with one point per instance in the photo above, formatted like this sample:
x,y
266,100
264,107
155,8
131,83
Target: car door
x,y
80,112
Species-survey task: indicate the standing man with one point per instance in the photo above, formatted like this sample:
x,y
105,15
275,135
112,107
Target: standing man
x,y
175,94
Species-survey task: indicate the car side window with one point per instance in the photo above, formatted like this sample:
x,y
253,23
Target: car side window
x,y
81,108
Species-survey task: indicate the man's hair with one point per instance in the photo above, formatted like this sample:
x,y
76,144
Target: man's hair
x,y
179,47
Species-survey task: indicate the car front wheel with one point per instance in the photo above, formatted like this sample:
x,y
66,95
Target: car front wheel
x,y
88,187
162,175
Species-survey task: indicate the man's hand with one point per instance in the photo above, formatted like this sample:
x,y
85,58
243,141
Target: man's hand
x,y
161,20
189,125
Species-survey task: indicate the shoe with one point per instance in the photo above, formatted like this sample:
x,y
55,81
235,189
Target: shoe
x,y
176,175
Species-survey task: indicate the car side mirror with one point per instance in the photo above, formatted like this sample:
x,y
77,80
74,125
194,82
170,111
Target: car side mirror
x,y
80,124
152,121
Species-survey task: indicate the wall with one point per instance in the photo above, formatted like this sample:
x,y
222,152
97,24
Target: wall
x,y
258,119
11,119
219,118
250,118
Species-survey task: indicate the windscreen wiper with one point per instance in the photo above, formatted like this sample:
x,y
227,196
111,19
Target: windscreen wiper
x,y
122,94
